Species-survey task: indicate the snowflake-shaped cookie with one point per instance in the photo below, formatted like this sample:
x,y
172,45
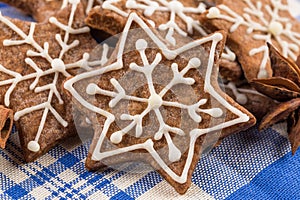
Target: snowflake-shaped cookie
x,y
35,60
140,112
251,24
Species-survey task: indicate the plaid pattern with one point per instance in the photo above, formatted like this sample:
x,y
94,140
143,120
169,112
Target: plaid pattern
x,y
248,165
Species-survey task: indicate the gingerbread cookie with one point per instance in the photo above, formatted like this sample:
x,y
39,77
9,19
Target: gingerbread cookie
x,y
42,10
251,24
35,60
156,103
173,18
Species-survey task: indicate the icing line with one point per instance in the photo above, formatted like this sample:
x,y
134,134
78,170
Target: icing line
x,y
57,66
275,28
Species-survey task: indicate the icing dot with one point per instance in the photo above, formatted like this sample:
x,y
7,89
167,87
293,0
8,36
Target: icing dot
x,y
116,137
176,6
195,62
86,56
275,28
141,44
217,112
52,20
58,65
6,42
218,36
231,56
91,89
155,101
33,146
213,12
130,4
242,99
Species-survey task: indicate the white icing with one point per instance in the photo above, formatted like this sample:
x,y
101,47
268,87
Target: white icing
x,y
84,63
156,100
266,26
275,28
174,7
240,93
56,67
213,12
228,54
33,146
64,4
89,4
240,98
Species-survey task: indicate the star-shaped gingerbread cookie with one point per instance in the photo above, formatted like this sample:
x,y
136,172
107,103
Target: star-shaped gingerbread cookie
x,y
35,60
42,10
157,104
251,24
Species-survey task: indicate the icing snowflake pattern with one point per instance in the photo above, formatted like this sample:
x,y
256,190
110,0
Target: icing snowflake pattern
x,y
155,100
176,9
89,5
57,67
276,27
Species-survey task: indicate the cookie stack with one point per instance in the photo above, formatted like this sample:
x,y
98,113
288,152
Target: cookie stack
x,y
154,89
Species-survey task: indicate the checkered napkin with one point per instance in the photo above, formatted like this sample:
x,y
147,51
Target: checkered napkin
x,y
248,165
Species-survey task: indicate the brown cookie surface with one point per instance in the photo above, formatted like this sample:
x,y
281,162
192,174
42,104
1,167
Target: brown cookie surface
x,y
251,24
35,60
42,10
157,104
173,19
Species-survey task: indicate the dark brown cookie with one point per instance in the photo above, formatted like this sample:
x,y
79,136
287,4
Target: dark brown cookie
x,y
42,10
35,60
173,19
157,104
250,25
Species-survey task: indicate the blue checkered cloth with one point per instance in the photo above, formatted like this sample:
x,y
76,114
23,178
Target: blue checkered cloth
x,y
248,165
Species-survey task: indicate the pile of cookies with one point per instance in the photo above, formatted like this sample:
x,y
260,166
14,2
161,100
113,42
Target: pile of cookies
x,y
172,80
